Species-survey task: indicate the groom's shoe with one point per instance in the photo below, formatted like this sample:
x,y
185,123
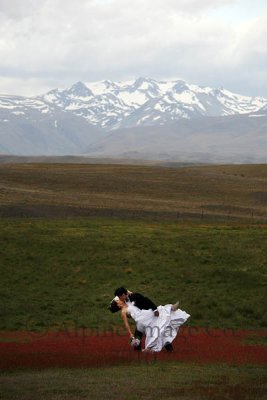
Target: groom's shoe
x,y
168,347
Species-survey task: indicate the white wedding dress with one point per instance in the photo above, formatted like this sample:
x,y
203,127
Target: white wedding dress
x,y
158,330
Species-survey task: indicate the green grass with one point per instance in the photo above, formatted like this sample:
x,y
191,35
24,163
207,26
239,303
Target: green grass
x,y
156,381
61,274
65,271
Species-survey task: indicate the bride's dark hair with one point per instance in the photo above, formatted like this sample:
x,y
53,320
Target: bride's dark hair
x,y
113,307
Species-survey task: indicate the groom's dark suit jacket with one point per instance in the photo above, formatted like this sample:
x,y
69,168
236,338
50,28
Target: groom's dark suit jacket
x,y
142,302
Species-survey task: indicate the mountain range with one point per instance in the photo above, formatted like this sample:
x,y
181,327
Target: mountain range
x,y
143,118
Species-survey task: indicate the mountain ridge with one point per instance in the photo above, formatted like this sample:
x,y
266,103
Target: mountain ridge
x,y
145,102
143,118
237,138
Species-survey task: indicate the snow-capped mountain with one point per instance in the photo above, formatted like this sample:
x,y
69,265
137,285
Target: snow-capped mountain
x,y
141,118
30,126
146,102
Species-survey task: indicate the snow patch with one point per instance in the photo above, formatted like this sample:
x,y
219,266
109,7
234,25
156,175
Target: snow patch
x,y
133,99
200,89
8,106
18,112
257,115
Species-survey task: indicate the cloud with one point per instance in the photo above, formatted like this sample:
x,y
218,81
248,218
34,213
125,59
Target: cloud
x,y
64,41
17,9
245,60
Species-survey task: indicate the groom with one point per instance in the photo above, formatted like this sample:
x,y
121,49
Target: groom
x,y
141,302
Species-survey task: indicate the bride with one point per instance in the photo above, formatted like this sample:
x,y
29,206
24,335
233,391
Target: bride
x,y
159,330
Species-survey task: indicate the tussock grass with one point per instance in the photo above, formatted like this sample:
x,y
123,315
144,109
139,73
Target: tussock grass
x,y
211,193
65,271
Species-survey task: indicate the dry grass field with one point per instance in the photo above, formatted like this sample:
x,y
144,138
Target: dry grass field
x,y
210,193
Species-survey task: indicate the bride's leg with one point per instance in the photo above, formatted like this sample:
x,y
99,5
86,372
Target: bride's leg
x,y
175,306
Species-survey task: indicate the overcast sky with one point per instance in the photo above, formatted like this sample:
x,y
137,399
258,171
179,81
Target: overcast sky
x,y
46,44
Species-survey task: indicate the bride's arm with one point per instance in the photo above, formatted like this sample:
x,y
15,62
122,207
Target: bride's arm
x,y
126,323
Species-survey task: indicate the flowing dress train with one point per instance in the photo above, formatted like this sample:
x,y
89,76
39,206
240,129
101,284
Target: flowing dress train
x,y
158,330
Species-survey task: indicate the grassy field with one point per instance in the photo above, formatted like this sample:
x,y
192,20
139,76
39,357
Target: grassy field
x,y
151,382
210,193
166,232
70,234
65,271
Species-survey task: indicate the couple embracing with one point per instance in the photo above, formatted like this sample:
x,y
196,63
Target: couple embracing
x,y
159,324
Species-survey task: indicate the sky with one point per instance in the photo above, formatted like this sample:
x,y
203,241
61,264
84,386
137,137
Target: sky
x,y
47,44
